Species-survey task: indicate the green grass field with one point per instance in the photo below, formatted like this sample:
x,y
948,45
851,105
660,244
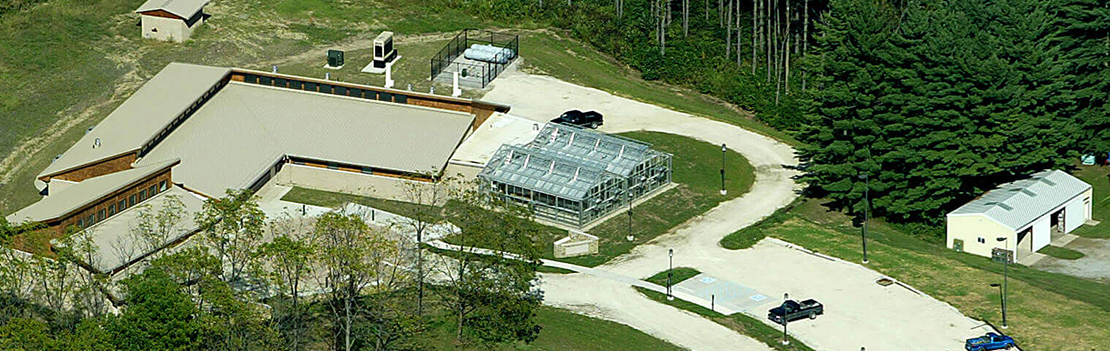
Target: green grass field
x,y
1047,311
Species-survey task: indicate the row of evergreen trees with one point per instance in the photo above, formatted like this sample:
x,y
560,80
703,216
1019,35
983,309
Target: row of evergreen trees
x,y
938,101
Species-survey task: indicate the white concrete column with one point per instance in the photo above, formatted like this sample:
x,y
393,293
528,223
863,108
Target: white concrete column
x,y
456,92
389,74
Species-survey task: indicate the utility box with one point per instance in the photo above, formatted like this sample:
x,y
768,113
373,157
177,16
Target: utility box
x,y
335,58
383,49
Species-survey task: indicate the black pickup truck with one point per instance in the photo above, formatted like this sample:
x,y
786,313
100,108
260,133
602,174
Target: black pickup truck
x,y
591,119
793,310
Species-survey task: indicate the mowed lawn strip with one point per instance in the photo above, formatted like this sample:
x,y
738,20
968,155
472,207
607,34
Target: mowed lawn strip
x,y
1062,253
680,274
1046,311
741,323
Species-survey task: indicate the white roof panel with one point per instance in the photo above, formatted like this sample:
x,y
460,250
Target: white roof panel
x,y
1018,203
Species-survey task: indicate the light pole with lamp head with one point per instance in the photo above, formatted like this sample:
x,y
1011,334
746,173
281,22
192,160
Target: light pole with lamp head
x,y
866,210
670,270
723,150
785,297
1005,275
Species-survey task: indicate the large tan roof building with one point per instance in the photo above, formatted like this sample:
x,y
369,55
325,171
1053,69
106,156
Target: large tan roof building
x,y
200,131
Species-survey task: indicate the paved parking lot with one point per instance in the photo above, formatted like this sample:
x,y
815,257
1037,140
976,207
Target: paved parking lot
x,y
723,293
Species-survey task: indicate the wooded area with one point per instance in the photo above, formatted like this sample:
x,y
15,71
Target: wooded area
x,y
248,282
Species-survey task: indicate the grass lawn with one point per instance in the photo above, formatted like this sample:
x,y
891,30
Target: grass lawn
x,y
1061,252
1099,178
695,164
680,275
741,323
562,331
1046,311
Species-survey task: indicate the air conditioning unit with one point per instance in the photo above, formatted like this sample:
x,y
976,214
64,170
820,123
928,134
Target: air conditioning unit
x,y
383,49
335,58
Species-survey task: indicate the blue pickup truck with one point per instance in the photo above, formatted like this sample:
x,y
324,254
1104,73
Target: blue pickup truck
x,y
991,341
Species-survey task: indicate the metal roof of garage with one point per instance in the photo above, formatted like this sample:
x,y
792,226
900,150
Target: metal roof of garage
x,y
1019,203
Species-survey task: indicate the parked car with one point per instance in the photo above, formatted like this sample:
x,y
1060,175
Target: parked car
x,y
793,310
591,119
991,341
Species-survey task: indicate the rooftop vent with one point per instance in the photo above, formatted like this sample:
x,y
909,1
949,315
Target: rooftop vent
x,y
96,143
1005,207
1046,181
1028,192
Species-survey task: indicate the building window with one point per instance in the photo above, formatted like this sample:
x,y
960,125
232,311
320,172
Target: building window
x,y
162,186
142,195
982,241
367,170
111,210
150,192
333,165
91,219
298,162
80,223
122,204
100,215
131,201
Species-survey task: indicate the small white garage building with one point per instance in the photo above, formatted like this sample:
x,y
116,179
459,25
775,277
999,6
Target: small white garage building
x,y
1028,213
171,20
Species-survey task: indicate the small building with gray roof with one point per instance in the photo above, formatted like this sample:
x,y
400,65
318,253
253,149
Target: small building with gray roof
x,y
1021,216
171,20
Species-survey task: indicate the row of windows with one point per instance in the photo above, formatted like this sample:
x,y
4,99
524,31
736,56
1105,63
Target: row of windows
x,y
325,88
123,204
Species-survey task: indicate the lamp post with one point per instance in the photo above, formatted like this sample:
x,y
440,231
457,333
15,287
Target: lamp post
x,y
723,150
785,340
630,237
670,270
1005,276
866,210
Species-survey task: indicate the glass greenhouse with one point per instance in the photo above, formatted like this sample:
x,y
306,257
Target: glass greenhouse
x,y
574,176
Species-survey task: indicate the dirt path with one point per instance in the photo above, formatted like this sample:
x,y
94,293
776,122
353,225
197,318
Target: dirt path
x,y
861,313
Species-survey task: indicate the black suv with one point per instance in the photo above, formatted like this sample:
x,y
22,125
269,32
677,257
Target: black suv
x,y
795,311
590,119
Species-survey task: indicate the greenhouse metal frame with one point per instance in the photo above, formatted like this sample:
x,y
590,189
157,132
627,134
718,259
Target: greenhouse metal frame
x,y
575,176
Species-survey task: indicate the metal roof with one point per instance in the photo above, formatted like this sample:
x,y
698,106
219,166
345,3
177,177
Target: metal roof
x,y
139,118
184,8
243,130
83,193
1017,204
544,171
117,246
615,154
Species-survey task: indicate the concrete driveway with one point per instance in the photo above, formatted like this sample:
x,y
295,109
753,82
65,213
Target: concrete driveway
x,y
1095,264
859,312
